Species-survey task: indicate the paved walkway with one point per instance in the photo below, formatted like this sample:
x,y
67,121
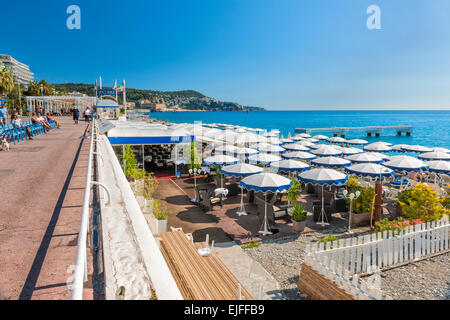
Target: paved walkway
x,y
43,184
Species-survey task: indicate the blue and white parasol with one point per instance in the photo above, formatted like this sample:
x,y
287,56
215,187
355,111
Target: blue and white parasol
x,y
325,151
266,182
263,158
298,155
435,155
439,166
378,147
323,177
241,170
331,162
369,169
220,159
290,165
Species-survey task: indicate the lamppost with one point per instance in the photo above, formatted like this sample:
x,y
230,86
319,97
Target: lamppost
x,y
351,196
195,171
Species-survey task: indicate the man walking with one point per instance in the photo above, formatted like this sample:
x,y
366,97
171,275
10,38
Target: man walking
x,y
3,114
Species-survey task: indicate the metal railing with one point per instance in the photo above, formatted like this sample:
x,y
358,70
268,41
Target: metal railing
x,y
80,271
80,274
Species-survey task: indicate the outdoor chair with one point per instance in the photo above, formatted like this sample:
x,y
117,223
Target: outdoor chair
x,y
233,189
250,196
207,202
445,179
317,209
273,212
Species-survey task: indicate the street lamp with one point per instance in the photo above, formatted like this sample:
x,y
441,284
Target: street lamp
x,y
195,171
42,90
351,196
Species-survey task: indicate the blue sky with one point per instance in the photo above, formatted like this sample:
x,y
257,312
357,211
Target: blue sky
x,y
287,54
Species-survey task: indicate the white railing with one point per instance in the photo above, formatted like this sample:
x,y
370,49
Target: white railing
x,y
383,249
80,271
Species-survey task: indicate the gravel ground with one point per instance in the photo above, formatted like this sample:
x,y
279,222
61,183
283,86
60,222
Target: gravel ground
x,y
282,258
423,280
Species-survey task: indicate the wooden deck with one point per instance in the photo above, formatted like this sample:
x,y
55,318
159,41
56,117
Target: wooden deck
x,y
197,277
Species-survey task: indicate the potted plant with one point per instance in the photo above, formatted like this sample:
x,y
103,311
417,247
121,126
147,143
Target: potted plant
x,y
150,185
161,213
362,206
294,191
298,217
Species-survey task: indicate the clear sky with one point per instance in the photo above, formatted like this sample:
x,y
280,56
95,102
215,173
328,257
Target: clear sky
x,y
278,54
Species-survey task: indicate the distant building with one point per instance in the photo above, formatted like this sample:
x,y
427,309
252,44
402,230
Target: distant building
x,y
131,105
20,71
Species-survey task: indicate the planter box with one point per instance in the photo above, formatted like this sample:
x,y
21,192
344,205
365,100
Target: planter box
x,y
161,226
298,226
360,219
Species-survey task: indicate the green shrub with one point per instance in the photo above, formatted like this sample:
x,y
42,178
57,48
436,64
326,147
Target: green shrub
x,y
160,211
251,245
424,204
294,191
364,202
328,238
298,214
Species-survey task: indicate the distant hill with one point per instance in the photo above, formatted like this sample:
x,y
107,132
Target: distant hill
x,y
185,99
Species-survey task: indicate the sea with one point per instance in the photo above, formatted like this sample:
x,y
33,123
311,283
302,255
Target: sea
x,y
431,128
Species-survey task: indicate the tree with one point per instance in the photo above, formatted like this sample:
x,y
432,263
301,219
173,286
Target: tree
x,y
6,80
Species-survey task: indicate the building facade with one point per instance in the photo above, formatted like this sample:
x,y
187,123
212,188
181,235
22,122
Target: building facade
x,y
21,72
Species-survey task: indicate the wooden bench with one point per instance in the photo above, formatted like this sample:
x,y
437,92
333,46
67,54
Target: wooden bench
x,y
197,277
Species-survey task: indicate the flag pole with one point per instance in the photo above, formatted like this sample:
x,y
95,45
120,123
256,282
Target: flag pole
x,y
124,98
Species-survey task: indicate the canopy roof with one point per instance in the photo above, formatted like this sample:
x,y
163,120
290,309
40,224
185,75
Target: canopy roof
x,y
139,133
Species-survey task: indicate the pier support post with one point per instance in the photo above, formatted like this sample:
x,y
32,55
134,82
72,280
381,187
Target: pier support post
x,y
369,134
408,133
377,134
399,133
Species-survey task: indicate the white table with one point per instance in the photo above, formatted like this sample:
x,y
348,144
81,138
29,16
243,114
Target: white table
x,y
221,192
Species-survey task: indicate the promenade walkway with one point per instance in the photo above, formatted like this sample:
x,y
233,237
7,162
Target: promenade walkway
x,y
40,208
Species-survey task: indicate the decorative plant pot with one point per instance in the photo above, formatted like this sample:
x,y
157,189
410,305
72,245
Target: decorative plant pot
x,y
360,219
148,205
299,226
162,226
138,185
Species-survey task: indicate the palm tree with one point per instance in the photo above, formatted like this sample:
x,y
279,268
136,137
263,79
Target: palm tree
x,y
6,80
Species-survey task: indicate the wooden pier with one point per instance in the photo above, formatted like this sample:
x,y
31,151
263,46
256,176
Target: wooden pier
x,y
370,130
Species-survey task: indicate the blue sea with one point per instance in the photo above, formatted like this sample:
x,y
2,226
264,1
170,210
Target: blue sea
x,y
430,128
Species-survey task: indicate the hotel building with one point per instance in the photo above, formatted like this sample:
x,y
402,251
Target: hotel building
x,y
21,72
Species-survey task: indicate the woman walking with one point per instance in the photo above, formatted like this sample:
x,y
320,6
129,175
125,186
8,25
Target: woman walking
x,y
76,114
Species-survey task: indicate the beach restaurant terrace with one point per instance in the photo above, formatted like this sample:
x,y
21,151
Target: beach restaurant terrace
x,y
152,143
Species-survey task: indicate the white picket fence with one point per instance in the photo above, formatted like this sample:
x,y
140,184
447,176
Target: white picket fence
x,y
360,254
361,289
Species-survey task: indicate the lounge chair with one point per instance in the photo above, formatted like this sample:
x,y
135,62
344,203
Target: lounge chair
x,y
273,212
233,189
207,201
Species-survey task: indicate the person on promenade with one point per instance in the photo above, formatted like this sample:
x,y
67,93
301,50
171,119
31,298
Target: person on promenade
x,y
3,114
76,114
50,118
87,114
17,123
37,118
